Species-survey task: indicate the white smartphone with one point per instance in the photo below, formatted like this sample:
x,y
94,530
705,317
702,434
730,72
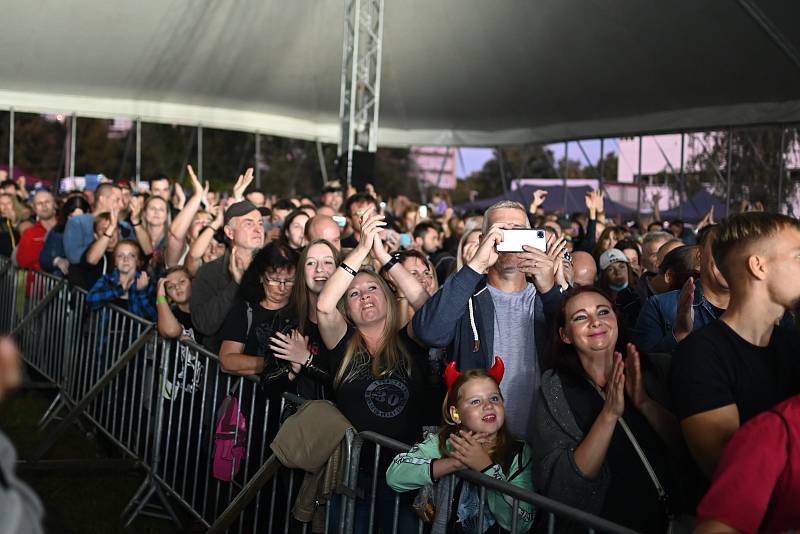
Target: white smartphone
x,y
423,212
514,239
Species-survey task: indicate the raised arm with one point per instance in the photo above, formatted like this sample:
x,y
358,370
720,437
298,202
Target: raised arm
x,y
168,325
176,239
137,205
195,257
332,324
99,246
406,283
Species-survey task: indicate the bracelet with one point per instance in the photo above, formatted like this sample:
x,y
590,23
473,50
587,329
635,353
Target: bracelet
x,y
162,300
308,360
347,268
389,264
108,236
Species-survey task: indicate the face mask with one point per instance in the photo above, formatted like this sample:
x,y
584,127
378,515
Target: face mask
x,y
618,288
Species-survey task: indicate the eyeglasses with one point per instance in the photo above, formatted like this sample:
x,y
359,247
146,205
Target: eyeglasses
x,y
275,283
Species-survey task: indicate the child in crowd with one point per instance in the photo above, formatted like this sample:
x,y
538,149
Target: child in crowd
x,y
474,437
128,286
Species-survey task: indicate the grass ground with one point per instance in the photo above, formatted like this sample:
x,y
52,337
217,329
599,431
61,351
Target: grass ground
x,y
76,502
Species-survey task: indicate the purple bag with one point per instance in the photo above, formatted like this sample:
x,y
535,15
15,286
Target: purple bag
x,y
229,440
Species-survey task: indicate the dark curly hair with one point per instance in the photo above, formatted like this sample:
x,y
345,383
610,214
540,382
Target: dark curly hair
x,y
562,357
276,255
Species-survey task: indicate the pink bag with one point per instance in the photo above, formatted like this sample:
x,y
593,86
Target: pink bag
x,y
229,443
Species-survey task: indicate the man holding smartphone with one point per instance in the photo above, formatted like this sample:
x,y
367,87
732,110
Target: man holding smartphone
x,y
491,308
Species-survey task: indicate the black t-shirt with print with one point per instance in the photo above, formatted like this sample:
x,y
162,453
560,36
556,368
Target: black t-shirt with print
x,y
263,325
715,367
185,319
393,405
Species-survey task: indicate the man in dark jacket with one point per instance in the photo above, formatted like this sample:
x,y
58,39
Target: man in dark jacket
x,y
489,308
215,289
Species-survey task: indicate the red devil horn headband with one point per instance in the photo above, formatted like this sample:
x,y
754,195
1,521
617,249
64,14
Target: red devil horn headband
x,y
451,374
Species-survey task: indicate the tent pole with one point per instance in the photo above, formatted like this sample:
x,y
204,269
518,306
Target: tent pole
x,y
565,175
321,158
257,159
501,161
602,164
11,143
200,152
639,184
728,163
138,152
72,142
781,165
682,180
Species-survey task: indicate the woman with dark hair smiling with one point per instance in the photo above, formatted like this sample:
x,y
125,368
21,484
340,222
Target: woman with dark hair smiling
x,y
599,438
304,345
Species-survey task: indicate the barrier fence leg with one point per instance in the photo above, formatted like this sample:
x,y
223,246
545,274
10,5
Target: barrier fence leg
x,y
79,408
265,473
151,487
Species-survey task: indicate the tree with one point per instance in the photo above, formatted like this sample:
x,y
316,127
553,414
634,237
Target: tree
x,y
757,157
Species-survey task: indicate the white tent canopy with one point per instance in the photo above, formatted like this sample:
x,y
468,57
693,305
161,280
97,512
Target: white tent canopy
x,y
455,72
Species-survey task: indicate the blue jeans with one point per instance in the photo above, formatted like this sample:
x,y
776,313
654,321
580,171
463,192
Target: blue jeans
x,y
407,521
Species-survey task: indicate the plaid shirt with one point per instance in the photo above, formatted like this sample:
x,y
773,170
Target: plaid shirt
x,y
140,301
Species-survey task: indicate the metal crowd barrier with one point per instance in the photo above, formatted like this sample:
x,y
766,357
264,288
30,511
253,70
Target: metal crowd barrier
x,y
548,511
157,402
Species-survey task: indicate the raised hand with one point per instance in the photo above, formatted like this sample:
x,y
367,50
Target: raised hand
x,y
540,265
143,281
614,404
371,225
634,384
468,450
539,196
241,185
197,187
238,266
137,204
181,196
487,254
161,288
684,318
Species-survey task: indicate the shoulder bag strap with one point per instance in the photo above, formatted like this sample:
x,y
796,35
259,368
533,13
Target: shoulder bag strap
x,y
662,494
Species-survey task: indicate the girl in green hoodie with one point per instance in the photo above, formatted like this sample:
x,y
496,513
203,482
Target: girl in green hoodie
x,y
475,437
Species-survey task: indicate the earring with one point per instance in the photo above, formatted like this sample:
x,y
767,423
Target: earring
x,y
456,417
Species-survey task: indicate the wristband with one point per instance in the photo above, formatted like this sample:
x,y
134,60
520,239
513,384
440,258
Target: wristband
x,y
108,236
347,268
162,300
389,264
308,360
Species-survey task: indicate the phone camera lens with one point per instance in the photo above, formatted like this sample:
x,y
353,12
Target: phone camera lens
x,y
540,234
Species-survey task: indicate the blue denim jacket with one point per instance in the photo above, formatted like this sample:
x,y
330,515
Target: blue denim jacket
x,y
653,332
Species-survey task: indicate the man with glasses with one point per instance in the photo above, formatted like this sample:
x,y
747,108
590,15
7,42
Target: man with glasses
x,y
215,289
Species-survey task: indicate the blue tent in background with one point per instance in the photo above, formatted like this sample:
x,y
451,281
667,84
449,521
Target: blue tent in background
x,y
694,209
554,201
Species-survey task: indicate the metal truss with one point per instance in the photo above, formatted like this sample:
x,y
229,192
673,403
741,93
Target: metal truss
x,y
361,79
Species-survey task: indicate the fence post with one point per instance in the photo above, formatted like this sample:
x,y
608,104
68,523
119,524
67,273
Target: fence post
x,y
127,356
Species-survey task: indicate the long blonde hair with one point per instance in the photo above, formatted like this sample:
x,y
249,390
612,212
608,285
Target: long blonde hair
x,y
389,358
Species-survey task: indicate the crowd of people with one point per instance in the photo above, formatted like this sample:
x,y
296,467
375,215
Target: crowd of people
x,y
641,372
